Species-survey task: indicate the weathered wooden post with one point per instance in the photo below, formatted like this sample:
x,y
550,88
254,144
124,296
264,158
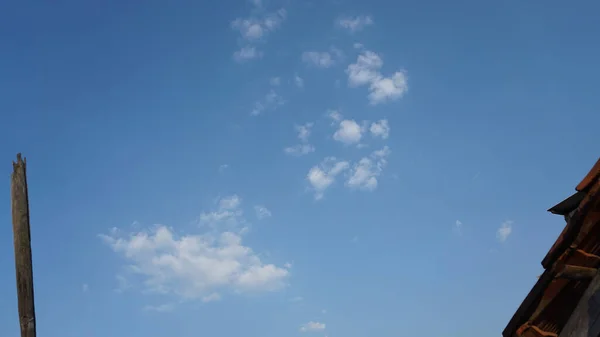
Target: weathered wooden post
x,y
22,241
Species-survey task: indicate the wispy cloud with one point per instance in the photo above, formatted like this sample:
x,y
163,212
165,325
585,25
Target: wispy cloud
x,y
504,231
312,327
304,132
247,53
458,227
323,59
167,307
354,23
262,212
271,101
254,29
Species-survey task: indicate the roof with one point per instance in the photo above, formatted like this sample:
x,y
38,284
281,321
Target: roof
x,y
549,304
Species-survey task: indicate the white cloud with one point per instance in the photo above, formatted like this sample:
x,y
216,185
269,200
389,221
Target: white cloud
x,y
349,132
366,70
504,231
271,101
262,212
334,115
223,167
299,150
358,45
275,81
194,266
355,23
323,175
312,327
385,89
299,81
246,53
318,59
255,28
380,129
363,174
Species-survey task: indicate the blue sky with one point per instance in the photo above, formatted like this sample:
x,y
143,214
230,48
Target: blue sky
x,y
291,168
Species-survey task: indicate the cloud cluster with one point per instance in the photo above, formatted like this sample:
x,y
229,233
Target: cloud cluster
x,y
254,29
361,175
195,266
367,71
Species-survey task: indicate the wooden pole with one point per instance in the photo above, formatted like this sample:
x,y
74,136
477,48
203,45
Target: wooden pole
x,y
22,241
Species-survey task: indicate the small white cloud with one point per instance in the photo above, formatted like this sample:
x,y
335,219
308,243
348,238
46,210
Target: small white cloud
x,y
318,59
354,23
299,81
262,212
312,327
366,71
324,59
287,265
504,231
275,81
299,150
223,167
255,28
380,129
85,287
363,174
297,299
247,53
349,132
321,177
168,307
334,115
358,45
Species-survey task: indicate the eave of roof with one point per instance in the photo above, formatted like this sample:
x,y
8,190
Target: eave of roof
x,y
541,297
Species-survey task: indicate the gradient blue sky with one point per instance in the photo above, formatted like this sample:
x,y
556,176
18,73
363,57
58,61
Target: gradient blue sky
x,y
425,141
